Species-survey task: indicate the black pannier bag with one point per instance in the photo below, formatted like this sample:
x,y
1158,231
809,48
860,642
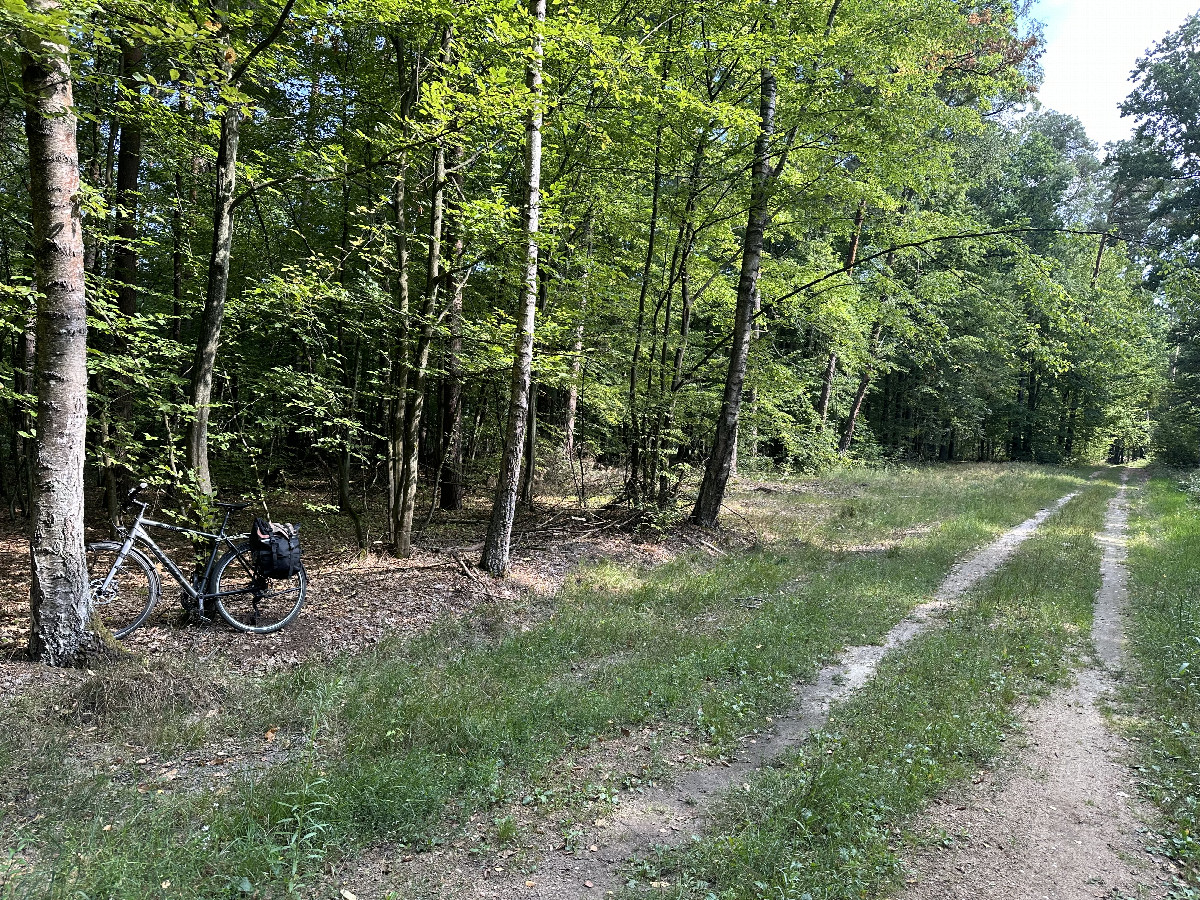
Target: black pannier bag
x,y
276,549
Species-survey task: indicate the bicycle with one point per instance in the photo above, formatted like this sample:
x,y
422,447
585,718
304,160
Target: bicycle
x,y
125,594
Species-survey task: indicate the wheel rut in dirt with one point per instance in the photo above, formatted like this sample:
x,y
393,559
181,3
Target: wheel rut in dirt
x,y
673,812
1060,819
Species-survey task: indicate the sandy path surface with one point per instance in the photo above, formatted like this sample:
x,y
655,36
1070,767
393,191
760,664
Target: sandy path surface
x,y
673,812
1059,819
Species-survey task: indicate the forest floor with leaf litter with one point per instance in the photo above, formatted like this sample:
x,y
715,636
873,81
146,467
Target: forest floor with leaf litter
x,y
356,598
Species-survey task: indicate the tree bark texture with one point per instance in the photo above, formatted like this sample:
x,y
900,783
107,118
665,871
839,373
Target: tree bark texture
x,y
721,460
61,633
504,508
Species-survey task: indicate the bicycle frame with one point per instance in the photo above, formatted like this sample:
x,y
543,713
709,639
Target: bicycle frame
x,y
195,588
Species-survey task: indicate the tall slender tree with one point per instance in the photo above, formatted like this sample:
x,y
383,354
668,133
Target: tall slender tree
x,y
217,291
497,542
721,460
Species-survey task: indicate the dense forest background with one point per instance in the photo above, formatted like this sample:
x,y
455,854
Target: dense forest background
x,y
309,248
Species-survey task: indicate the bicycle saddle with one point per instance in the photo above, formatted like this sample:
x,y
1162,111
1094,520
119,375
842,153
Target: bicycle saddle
x,y
233,506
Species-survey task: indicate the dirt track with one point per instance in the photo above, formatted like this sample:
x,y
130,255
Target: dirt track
x,y
1059,819
677,810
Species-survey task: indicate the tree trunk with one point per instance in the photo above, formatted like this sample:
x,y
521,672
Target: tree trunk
x,y
399,354
531,427
419,366
504,508
451,487
26,448
61,632
635,431
576,376
209,337
129,163
851,259
572,404
863,383
827,387
125,264
720,461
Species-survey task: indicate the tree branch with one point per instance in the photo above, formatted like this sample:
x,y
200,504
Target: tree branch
x,y
265,42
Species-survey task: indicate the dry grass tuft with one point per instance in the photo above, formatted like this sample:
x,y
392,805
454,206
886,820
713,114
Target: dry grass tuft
x,y
130,691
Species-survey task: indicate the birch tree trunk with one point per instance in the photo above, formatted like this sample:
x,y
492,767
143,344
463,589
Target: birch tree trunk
x,y
61,633
499,533
721,461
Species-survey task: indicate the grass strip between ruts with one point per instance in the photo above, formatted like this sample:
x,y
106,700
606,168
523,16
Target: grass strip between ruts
x,y
828,823
385,745
1164,640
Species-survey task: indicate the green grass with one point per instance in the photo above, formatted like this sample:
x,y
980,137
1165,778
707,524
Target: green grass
x,y
396,743
829,822
1164,638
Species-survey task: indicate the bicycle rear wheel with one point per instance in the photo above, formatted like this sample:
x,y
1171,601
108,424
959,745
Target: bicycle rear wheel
x,y
250,602
131,594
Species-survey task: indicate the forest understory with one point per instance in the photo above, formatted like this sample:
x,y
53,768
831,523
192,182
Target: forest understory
x,y
506,739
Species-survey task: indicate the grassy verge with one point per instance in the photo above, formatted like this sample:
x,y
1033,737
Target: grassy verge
x,y
1164,637
828,823
392,744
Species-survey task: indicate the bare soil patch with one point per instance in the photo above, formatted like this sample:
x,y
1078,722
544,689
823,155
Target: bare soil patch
x,y
1059,819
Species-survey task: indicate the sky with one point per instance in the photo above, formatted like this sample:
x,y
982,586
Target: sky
x,y
1092,46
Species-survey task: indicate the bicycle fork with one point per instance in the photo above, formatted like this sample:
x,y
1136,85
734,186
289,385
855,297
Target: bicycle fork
x,y
105,587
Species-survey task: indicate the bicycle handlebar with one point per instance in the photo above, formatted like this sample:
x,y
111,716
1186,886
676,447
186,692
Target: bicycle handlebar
x,y
131,499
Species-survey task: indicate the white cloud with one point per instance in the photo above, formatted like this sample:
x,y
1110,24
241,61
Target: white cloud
x,y
1091,48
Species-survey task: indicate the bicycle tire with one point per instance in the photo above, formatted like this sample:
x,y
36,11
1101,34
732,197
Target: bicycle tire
x,y
252,603
134,591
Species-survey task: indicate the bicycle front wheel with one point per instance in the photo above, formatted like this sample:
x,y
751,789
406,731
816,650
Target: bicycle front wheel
x,y
132,592
250,602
